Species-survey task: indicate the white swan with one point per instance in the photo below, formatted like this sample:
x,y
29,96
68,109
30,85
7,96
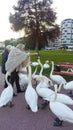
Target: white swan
x,y
46,82
31,96
40,65
63,98
63,112
7,94
56,78
34,75
35,64
23,78
43,90
40,77
46,65
67,86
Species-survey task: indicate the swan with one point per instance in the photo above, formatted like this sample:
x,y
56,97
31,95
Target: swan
x,y
63,98
7,94
23,78
56,78
46,82
34,75
67,86
40,77
43,90
62,111
40,65
31,96
35,64
46,65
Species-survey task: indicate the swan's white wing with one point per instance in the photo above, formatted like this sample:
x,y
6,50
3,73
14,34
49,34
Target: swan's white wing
x,y
31,98
6,96
62,111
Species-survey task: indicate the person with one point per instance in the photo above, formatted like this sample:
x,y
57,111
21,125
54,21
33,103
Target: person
x,y
17,58
4,59
14,74
21,46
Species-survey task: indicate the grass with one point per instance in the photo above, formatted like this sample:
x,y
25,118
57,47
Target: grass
x,y
51,55
56,56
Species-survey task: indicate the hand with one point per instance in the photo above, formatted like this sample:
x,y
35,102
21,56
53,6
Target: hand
x,y
34,54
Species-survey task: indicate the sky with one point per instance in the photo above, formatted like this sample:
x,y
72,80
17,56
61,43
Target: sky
x,y
63,8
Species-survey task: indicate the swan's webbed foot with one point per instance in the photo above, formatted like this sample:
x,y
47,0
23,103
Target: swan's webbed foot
x,y
44,105
57,119
70,92
5,105
11,104
58,122
28,107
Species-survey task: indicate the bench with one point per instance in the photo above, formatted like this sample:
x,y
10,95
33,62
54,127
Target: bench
x,y
65,65
64,73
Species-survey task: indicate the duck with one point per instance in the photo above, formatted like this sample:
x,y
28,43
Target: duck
x,y
60,110
31,96
7,94
56,78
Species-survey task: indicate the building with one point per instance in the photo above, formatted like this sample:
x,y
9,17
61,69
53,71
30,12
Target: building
x,y
67,32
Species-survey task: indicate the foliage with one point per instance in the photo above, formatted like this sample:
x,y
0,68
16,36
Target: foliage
x,y
37,18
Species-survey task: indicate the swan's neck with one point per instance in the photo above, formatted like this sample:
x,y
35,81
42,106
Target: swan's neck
x,y
61,85
41,70
35,71
41,67
55,96
6,78
29,74
52,69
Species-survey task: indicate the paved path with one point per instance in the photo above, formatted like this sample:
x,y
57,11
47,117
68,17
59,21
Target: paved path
x,y
19,118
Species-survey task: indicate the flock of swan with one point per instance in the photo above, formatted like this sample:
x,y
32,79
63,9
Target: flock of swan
x,y
56,100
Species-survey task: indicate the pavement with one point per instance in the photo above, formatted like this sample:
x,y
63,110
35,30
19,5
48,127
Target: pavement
x,y
20,118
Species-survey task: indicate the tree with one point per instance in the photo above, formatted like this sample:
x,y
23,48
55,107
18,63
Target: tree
x,y
37,17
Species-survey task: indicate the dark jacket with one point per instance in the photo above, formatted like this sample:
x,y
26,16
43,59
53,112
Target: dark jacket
x,y
4,59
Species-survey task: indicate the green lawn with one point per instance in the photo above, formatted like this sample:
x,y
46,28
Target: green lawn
x,y
56,56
